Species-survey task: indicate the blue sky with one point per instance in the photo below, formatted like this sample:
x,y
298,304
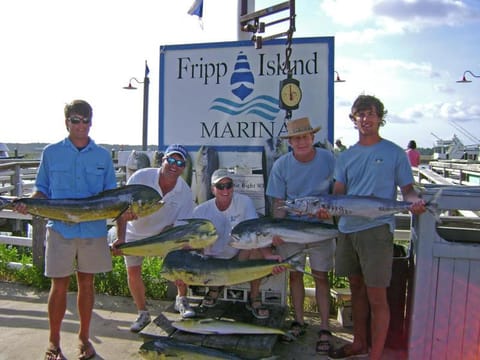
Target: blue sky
x,y
408,53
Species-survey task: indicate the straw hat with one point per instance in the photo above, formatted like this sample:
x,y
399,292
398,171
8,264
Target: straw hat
x,y
299,127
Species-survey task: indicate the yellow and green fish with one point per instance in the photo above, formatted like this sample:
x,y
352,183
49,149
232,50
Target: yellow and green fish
x,y
110,204
196,234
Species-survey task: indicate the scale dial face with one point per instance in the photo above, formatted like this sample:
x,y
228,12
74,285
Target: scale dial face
x,y
290,94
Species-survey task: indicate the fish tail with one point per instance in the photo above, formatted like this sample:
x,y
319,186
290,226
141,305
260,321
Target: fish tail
x,y
432,206
5,203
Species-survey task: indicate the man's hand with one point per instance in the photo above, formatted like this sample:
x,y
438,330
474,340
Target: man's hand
x,y
277,240
323,214
418,207
113,247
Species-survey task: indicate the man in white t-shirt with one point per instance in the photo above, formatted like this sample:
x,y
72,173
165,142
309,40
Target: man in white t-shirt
x,y
226,210
178,199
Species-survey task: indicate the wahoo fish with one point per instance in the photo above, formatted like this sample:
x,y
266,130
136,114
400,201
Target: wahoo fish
x,y
370,207
109,204
135,161
196,269
258,233
223,327
196,234
166,348
206,163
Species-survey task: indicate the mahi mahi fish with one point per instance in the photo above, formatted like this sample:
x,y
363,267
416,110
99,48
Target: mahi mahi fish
x,y
196,269
258,233
370,207
196,234
223,327
109,204
164,348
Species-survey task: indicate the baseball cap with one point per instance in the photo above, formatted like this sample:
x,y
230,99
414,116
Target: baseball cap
x,y
220,174
177,149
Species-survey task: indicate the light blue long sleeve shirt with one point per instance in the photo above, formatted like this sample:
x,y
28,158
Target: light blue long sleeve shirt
x,y
66,172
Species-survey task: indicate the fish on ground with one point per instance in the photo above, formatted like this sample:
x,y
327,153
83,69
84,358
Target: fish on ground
x,y
206,163
370,207
258,233
196,269
196,234
110,204
223,327
165,348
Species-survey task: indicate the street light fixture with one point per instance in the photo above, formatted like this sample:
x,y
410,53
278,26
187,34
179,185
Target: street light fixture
x,y
337,79
464,79
145,82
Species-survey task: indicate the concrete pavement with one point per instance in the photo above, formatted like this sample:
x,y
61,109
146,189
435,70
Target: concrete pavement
x,y
24,328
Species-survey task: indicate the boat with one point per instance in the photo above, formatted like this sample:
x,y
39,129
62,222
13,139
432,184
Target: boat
x,y
454,149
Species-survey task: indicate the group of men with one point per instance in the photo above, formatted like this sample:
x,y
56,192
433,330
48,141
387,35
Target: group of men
x,y
76,167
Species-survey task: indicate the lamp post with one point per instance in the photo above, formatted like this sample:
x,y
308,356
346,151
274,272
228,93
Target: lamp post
x,y
464,79
337,79
145,82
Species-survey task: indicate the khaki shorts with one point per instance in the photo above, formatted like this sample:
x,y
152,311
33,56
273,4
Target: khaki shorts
x,y
131,260
64,256
368,253
320,255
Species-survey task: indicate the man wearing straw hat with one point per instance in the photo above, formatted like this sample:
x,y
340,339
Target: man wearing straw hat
x,y
305,171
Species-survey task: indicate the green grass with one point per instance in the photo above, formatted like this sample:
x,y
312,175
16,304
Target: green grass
x,y
111,283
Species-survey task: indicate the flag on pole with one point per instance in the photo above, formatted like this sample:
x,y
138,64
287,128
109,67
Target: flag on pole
x,y
197,9
147,70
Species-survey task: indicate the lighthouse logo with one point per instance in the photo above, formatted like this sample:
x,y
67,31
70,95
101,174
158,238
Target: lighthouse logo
x,y
242,99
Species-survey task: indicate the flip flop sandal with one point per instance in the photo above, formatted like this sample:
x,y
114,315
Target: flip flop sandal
x,y
323,344
296,330
210,300
54,354
257,308
86,351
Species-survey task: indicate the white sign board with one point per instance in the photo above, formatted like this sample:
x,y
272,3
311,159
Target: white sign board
x,y
225,94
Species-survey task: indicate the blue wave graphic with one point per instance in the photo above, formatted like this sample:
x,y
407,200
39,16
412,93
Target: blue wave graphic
x,y
263,106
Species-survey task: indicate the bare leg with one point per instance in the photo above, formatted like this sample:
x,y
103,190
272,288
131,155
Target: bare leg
x,y
360,311
85,301
57,305
297,289
380,320
322,296
137,287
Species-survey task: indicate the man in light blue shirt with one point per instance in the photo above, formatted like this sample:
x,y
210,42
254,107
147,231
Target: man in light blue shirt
x,y
74,168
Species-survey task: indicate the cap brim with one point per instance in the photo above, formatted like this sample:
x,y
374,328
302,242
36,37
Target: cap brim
x,y
176,152
313,131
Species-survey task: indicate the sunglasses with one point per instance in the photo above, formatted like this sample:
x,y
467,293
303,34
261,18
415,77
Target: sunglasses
x,y
223,186
179,163
78,120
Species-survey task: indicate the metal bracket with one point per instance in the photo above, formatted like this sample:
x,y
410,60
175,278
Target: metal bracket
x,y
251,22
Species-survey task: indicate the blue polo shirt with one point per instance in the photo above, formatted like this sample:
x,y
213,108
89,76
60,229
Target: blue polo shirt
x,y
66,172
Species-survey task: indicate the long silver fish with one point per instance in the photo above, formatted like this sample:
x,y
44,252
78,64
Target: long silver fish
x,y
370,207
195,269
196,234
109,204
258,233
223,327
166,348
273,148
206,163
135,161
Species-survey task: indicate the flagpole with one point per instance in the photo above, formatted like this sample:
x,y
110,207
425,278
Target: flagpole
x,y
146,83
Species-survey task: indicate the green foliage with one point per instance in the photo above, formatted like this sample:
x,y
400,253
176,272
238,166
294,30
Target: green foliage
x,y
111,283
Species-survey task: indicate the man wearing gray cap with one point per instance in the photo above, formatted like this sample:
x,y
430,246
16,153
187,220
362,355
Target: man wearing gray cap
x,y
178,199
226,210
